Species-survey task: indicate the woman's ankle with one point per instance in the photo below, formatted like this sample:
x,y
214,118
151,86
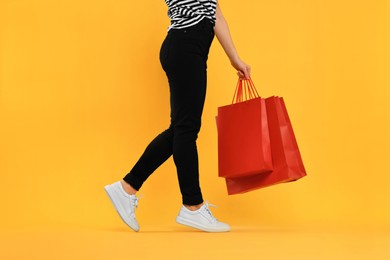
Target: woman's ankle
x,y
128,188
193,207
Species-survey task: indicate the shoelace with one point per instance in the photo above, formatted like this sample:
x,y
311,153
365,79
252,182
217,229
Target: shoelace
x,y
208,213
134,203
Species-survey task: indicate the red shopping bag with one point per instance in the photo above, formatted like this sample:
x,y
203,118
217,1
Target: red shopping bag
x,y
287,161
243,136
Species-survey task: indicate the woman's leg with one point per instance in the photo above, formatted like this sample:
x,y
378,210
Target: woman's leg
x,y
188,89
184,61
155,154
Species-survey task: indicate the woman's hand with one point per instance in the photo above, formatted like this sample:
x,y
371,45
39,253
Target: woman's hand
x,y
243,69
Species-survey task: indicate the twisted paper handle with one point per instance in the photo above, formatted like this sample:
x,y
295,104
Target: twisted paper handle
x,y
245,90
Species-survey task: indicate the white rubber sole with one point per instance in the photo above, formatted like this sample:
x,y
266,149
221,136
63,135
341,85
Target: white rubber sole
x,y
192,224
118,207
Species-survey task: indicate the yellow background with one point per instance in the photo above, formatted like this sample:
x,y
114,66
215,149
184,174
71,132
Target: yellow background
x,y
82,93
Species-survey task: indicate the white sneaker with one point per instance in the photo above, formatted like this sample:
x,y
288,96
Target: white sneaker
x,y
124,203
201,219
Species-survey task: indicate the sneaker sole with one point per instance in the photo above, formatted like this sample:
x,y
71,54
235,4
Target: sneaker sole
x,y
118,208
188,223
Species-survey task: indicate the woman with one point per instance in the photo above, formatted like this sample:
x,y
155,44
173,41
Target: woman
x,y
183,56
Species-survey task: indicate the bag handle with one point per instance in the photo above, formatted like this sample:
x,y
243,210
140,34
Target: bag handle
x,y
245,90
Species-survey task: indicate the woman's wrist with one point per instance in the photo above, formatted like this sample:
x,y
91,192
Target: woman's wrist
x,y
237,63
234,59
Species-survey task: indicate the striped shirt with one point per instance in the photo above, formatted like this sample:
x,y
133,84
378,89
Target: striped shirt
x,y
185,13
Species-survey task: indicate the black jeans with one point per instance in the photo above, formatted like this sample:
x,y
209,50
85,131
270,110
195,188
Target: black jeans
x,y
183,56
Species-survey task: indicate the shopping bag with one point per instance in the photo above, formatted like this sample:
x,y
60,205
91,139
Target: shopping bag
x,y
243,136
300,168
286,158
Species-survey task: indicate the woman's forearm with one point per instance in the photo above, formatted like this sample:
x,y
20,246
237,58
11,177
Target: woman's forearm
x,y
223,35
